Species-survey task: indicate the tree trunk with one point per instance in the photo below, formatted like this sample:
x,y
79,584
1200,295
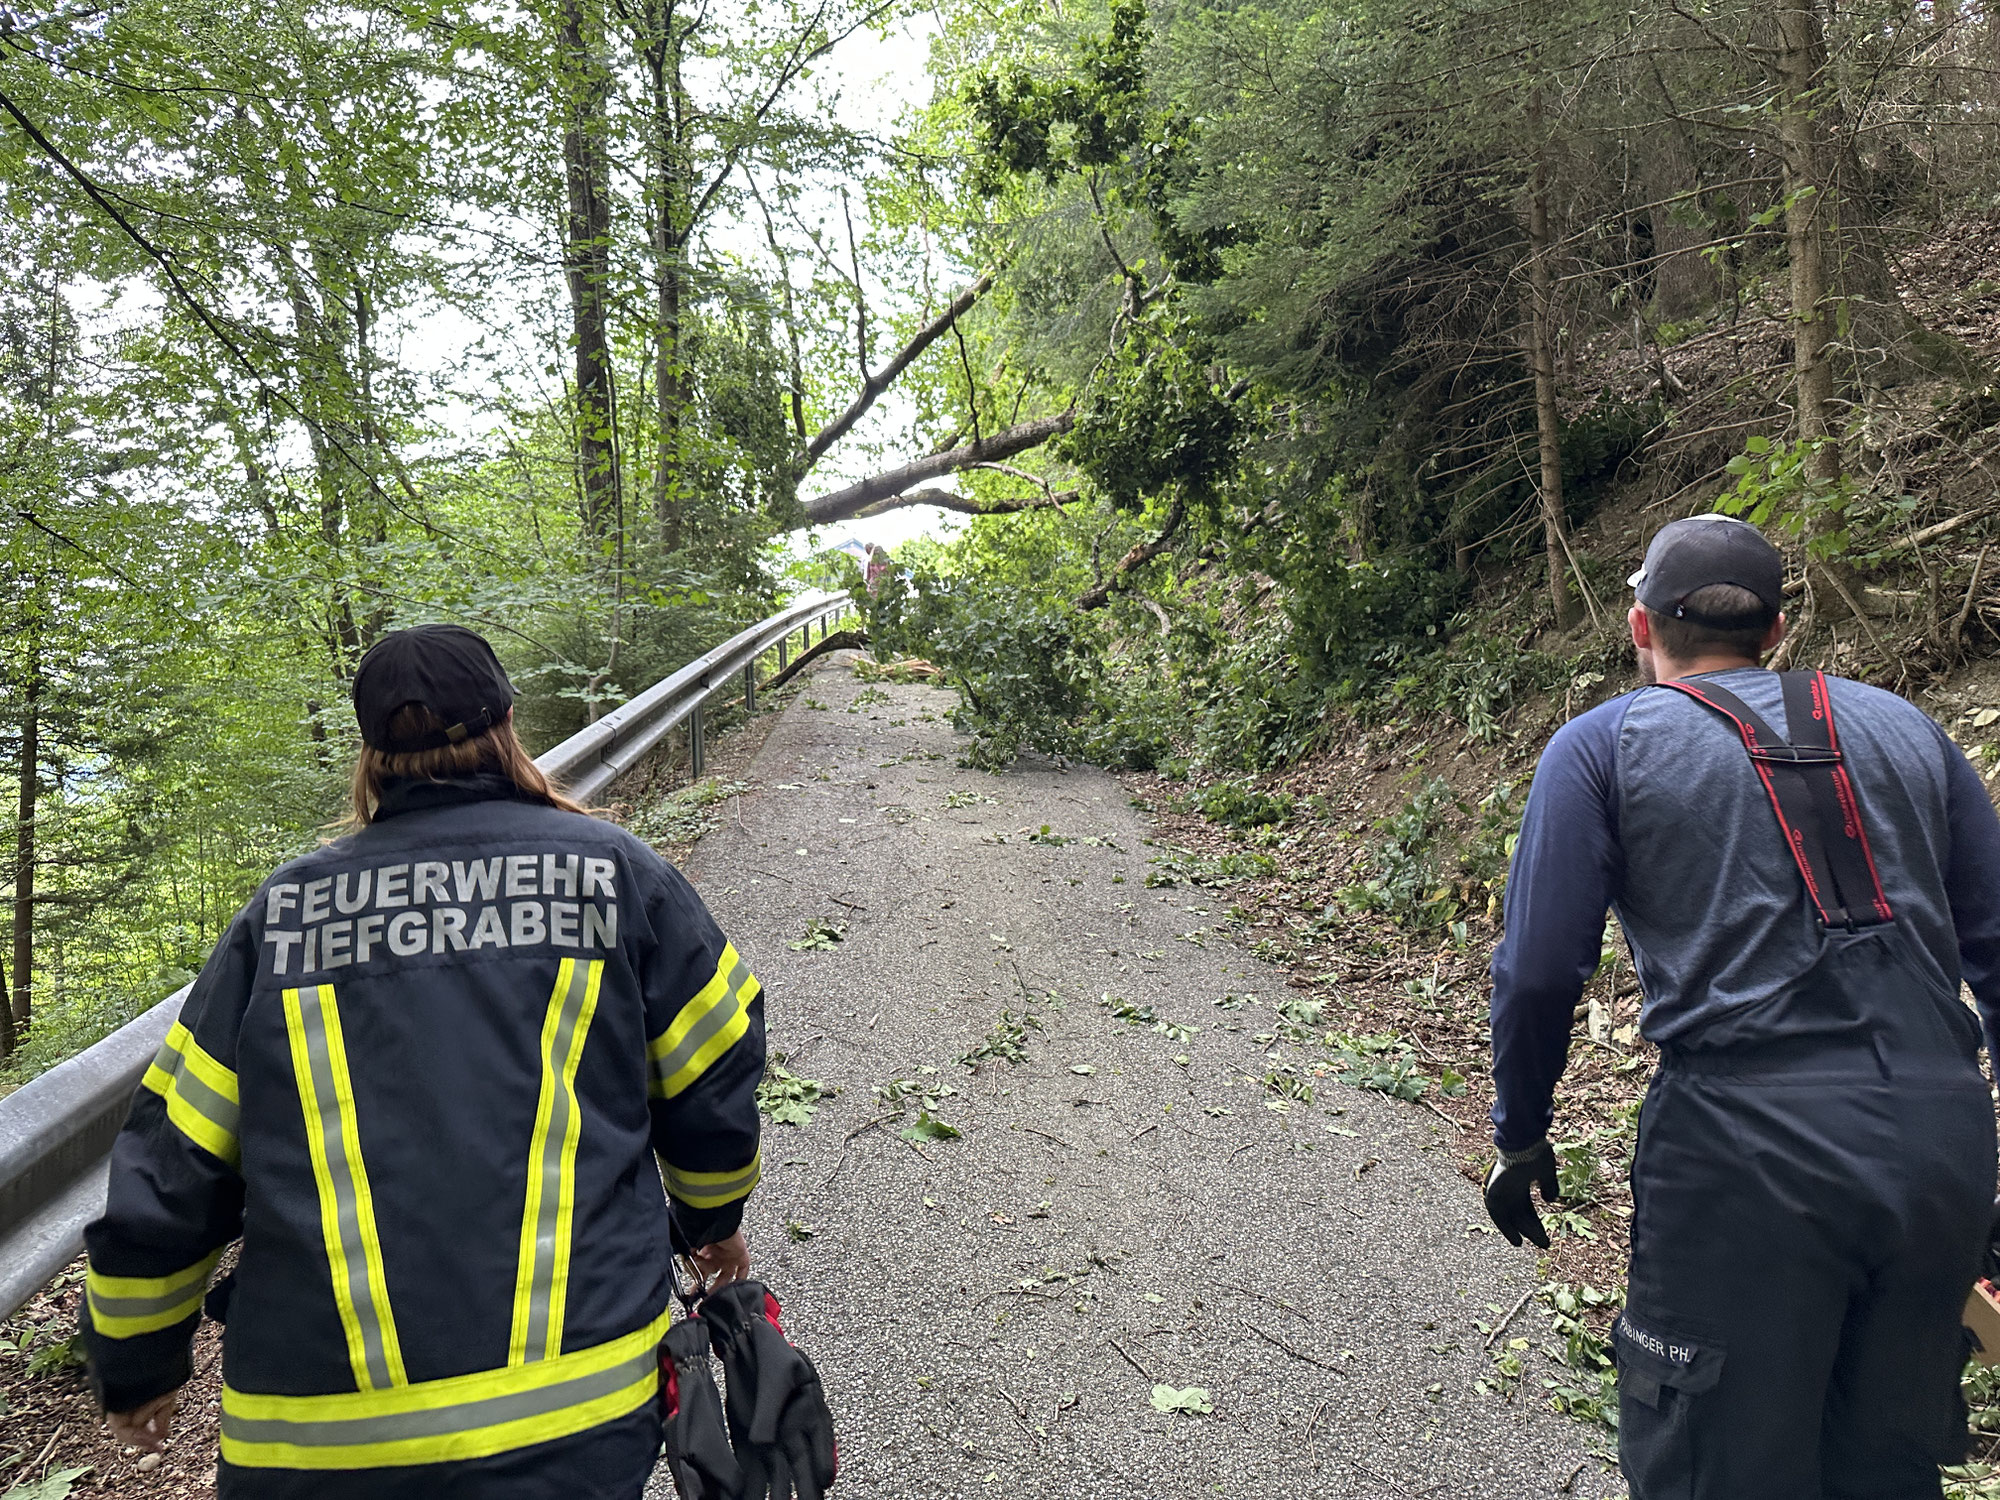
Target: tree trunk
x,y
587,262
669,188
1542,340
1800,60
23,1005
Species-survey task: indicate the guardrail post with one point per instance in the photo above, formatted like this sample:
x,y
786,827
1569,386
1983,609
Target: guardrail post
x,y
750,688
697,751
784,644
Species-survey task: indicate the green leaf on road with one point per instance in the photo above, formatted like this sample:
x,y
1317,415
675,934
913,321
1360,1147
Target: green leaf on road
x,y
930,1128
1194,1400
819,933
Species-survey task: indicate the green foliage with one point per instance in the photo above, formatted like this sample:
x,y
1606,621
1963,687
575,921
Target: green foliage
x,y
1776,484
56,1356
1403,873
1007,1042
1381,1061
1587,1388
57,1484
1184,867
819,934
1241,805
787,1098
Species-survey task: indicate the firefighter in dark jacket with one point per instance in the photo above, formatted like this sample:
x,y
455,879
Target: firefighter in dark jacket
x,y
433,1078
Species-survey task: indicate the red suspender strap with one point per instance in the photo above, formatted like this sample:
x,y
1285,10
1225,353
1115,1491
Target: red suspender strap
x,y
1811,794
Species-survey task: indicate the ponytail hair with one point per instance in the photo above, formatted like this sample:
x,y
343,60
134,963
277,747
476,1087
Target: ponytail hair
x,y
497,751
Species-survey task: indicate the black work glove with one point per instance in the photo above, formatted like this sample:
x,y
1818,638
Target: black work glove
x,y
698,1455
778,1417
1509,1203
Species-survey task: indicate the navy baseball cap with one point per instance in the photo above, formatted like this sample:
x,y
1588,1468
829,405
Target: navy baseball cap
x,y
1702,550
448,669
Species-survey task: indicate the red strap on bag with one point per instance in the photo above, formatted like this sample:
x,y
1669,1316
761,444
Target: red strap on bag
x,y
1812,795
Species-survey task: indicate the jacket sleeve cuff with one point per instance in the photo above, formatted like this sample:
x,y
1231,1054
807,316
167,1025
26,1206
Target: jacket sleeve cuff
x,y
696,1227
135,1371
1525,1155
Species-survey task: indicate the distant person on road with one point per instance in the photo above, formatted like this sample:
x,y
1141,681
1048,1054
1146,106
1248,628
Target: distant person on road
x,y
880,566
433,1077
1806,868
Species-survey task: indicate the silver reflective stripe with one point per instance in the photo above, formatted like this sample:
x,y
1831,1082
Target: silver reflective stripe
x,y
443,1421
352,1262
218,1109
719,1015
709,1190
550,1168
182,1294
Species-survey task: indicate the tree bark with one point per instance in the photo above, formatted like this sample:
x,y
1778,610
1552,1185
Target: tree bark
x,y
587,260
669,245
872,386
29,770
1141,553
965,505
1801,57
844,504
1542,340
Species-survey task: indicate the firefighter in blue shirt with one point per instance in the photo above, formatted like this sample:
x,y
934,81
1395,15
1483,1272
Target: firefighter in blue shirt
x,y
1814,1173
433,1078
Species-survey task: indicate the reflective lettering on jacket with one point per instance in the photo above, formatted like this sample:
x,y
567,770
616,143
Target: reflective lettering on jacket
x,y
524,900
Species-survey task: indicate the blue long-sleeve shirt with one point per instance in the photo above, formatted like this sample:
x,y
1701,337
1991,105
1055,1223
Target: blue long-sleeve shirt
x,y
1648,805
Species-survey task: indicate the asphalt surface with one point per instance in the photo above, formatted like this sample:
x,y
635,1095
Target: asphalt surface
x,y
1122,1200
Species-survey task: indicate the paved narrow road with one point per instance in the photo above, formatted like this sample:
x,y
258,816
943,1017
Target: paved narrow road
x,y
1122,1200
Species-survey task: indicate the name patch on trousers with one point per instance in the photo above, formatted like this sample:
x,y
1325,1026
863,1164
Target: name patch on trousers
x,y
566,901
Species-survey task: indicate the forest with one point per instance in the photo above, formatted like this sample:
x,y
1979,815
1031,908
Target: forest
x,y
1287,367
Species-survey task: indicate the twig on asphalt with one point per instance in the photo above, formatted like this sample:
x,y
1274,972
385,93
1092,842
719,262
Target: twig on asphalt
x,y
1569,1483
1014,1291
1147,1131
1455,1124
1129,1359
1277,1343
1282,1306
1045,1135
1020,1410
850,905
1501,1327
896,1114
1373,1474
1241,1149
1312,1450
776,876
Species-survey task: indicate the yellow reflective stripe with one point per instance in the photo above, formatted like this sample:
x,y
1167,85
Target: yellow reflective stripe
x,y
123,1307
199,1092
541,1278
707,1026
346,1206
441,1421
712,1189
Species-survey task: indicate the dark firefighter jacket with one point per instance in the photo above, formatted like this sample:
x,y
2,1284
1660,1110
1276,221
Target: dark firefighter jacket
x,y
426,1077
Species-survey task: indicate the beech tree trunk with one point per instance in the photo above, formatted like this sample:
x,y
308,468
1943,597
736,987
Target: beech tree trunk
x,y
587,261
22,1007
669,242
1542,349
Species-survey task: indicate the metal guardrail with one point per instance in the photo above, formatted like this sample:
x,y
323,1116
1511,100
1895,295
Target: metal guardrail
x,y
56,1130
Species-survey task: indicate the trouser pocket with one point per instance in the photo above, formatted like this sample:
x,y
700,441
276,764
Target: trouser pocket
x,y
1662,1379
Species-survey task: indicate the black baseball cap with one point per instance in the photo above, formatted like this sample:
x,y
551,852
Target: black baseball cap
x,y
1702,550
448,669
